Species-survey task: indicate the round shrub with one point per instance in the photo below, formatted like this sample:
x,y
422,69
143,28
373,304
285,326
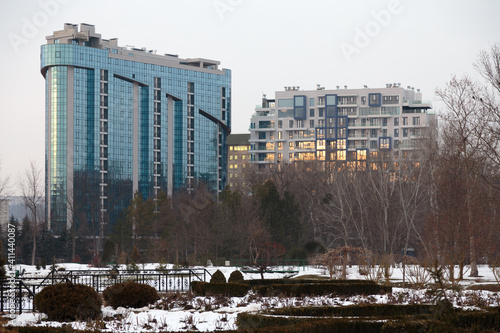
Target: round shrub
x,y
68,302
130,294
218,277
235,277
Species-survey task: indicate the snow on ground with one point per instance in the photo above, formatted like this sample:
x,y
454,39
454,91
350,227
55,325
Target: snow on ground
x,y
186,312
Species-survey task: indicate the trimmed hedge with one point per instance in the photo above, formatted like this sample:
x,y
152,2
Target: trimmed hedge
x,y
370,318
64,329
218,277
344,289
265,282
363,310
236,277
483,319
68,302
296,288
228,289
130,294
254,323
250,321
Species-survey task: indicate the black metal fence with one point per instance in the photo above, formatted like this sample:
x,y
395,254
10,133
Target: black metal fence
x,y
16,294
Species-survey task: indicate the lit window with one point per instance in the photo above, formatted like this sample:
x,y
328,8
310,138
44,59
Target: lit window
x,y
341,155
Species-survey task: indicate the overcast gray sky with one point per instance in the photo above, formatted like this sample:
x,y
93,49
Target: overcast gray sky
x,y
267,45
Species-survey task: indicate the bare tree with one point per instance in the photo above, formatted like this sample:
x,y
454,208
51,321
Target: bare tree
x,y
488,97
466,128
383,188
31,184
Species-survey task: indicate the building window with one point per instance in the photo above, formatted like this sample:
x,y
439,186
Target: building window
x,y
405,121
280,135
311,123
396,121
321,112
262,135
311,103
290,135
405,132
311,111
280,145
416,120
384,143
396,132
373,144
290,124
384,121
280,123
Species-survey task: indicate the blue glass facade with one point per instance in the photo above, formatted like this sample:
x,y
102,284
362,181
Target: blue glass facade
x,y
110,118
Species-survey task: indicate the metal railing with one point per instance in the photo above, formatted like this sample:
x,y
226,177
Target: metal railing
x,y
17,293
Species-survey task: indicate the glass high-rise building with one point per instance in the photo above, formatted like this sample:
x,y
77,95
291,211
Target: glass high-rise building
x,y
121,120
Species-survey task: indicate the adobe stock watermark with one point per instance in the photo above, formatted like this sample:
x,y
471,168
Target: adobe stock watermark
x,y
224,6
30,26
363,36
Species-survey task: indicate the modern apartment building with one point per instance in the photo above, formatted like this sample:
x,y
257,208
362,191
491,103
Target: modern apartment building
x,y
351,125
121,120
4,212
239,158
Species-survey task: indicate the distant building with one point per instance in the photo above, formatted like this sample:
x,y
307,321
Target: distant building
x,y
239,157
121,120
4,212
351,125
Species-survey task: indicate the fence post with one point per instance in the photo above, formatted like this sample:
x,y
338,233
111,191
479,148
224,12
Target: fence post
x,y
1,306
20,298
33,303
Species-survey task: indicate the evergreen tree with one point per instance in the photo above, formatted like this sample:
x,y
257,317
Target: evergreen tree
x,y
281,215
24,242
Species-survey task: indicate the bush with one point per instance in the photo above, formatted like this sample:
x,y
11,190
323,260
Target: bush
x,y
218,277
130,294
236,277
68,302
